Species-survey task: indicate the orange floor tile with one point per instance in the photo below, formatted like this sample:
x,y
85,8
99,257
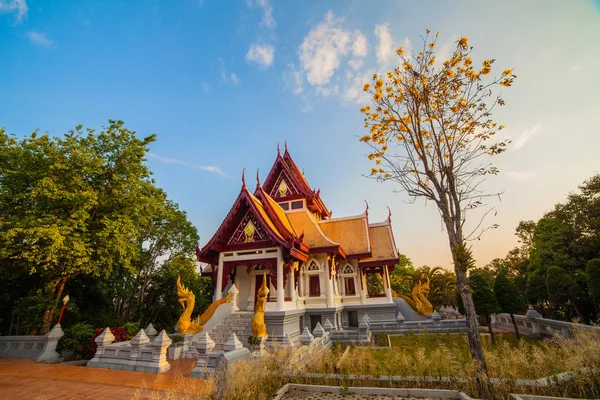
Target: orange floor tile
x,y
25,379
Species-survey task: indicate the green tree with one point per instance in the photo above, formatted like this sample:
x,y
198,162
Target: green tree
x,y
443,289
374,284
72,205
553,245
161,306
398,282
430,129
485,300
562,288
509,299
537,293
592,274
167,236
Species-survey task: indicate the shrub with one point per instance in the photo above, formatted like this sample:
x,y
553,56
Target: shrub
x,y
118,332
76,338
132,328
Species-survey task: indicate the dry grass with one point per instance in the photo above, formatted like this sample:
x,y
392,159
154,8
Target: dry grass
x,y
580,356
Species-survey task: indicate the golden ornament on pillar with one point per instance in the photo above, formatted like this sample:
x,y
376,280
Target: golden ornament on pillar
x,y
187,299
259,329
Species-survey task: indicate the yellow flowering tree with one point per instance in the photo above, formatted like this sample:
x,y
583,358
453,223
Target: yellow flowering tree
x,y
431,132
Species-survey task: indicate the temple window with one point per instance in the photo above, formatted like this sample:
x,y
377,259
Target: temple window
x,y
296,205
349,288
314,285
285,206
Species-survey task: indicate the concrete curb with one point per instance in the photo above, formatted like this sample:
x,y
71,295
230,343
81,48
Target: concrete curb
x,y
431,393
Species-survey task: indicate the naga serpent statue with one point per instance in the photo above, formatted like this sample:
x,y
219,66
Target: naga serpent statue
x,y
419,301
259,329
187,299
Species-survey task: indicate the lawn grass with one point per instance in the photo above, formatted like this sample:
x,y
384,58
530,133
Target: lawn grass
x,y
447,355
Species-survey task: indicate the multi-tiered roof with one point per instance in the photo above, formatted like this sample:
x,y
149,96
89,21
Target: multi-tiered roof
x,y
258,220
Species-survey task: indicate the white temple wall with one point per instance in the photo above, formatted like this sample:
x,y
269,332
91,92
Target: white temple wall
x,y
243,282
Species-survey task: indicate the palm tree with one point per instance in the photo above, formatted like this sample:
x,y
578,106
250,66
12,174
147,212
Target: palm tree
x,y
443,291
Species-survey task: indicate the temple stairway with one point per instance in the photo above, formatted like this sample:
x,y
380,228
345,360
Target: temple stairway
x,y
239,323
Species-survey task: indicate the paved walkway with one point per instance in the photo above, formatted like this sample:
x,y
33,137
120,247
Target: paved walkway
x,y
25,379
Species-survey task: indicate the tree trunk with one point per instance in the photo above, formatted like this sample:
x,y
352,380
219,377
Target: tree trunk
x,y
57,290
489,321
579,315
481,378
514,321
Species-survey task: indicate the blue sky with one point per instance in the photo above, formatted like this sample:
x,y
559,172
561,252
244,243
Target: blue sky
x,y
222,82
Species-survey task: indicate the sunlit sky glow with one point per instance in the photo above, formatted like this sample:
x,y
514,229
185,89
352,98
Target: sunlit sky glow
x,y
222,82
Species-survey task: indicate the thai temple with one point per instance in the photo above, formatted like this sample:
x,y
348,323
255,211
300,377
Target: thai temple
x,y
316,265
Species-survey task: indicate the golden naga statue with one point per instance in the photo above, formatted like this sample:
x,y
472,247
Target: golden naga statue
x,y
419,301
259,329
187,299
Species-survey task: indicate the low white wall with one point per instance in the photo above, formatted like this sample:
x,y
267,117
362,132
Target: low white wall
x,y
533,324
38,348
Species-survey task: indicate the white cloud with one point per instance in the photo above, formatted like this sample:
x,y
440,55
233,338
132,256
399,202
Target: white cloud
x,y
226,76
292,79
39,39
354,92
525,136
385,47
359,50
574,68
18,6
359,47
324,48
208,168
356,63
267,19
298,82
261,54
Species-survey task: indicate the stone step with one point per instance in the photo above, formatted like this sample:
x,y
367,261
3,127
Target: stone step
x,y
240,323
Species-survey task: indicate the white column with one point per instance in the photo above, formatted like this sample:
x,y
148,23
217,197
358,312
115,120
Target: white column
x,y
300,283
292,283
218,293
363,286
388,290
329,284
280,293
306,286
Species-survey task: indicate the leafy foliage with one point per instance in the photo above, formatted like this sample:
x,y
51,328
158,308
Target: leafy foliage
x,y
442,283
80,213
374,284
77,338
483,296
508,296
592,273
551,266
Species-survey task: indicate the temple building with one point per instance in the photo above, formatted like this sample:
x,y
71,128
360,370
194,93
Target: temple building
x,y
317,266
